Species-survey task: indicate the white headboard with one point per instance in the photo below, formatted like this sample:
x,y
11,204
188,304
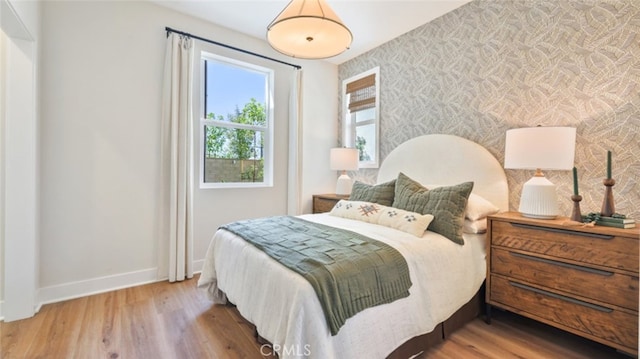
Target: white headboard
x,y
448,160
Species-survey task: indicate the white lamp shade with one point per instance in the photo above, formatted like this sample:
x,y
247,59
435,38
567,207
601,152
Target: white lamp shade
x,y
551,148
344,159
308,29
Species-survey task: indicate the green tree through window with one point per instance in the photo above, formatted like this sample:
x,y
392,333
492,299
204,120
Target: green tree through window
x,y
361,142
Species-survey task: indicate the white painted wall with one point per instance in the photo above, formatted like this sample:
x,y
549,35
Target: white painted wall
x,y
101,87
101,71
320,129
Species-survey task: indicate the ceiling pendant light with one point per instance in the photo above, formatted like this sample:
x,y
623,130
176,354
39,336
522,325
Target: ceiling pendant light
x,y
308,29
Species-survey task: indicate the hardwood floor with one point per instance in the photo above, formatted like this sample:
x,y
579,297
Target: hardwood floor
x,y
175,320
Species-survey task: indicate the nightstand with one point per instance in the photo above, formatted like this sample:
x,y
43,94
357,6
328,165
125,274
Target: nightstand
x,y
579,279
325,202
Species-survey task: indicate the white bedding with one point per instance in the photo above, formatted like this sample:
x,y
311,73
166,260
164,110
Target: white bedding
x,y
286,311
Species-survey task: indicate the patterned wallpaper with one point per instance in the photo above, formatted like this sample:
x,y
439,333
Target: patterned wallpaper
x,y
489,66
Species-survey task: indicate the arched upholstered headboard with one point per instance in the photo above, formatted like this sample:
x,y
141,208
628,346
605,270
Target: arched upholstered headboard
x,y
447,160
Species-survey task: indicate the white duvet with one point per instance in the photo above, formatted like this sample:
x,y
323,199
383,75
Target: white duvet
x,y
286,311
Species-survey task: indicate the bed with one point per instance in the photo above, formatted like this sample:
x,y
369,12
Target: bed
x,y
446,277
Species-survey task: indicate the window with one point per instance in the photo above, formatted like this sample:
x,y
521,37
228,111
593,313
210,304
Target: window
x,y
236,124
361,121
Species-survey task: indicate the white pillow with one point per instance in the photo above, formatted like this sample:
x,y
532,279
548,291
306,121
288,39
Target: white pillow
x,y
477,226
478,208
410,222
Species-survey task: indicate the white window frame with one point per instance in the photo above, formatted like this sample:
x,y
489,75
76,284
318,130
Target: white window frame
x,y
349,121
268,129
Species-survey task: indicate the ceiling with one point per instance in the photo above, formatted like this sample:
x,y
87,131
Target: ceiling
x,y
372,22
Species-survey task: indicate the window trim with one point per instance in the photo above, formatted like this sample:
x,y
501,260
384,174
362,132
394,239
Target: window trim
x,y
268,150
349,123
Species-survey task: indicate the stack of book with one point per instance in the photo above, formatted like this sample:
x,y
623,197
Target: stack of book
x,y
614,222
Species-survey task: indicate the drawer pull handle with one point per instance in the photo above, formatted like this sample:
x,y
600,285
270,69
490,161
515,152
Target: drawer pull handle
x,y
562,264
565,231
562,297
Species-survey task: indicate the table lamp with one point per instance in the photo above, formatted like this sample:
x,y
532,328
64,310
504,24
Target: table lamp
x,y
344,159
540,148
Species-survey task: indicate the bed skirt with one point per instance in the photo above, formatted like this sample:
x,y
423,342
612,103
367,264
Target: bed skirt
x,y
416,345
442,331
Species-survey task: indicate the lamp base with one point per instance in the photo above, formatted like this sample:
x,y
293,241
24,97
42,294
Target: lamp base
x,y
344,184
539,199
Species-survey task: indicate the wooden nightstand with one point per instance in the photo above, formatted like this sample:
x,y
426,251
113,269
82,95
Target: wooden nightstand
x,y
582,280
325,202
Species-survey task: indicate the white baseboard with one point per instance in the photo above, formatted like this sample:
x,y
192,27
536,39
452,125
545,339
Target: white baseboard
x,y
1,312
197,266
66,291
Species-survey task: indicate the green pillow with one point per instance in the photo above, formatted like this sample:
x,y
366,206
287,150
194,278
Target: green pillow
x,y
446,204
380,194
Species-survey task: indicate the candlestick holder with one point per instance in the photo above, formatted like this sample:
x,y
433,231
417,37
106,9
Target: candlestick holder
x,y
608,208
576,215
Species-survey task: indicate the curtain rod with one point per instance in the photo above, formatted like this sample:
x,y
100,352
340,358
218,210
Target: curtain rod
x,y
168,29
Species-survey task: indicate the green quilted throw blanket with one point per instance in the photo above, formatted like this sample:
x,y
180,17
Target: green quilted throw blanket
x,y
348,271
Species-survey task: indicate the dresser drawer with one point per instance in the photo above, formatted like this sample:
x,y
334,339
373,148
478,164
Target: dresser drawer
x,y
618,328
592,248
605,286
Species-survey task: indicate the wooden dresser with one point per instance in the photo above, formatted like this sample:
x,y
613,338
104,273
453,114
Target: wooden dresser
x,y
582,280
325,202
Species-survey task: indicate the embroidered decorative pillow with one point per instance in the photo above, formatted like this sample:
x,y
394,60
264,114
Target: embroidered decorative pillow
x,y
362,211
410,222
381,193
447,204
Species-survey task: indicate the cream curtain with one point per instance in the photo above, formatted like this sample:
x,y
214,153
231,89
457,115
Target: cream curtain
x,y
295,146
177,152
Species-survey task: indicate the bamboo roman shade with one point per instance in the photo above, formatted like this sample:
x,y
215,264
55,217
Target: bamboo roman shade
x,y
362,93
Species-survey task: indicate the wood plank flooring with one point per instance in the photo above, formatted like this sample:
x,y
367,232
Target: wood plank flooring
x,y
176,320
